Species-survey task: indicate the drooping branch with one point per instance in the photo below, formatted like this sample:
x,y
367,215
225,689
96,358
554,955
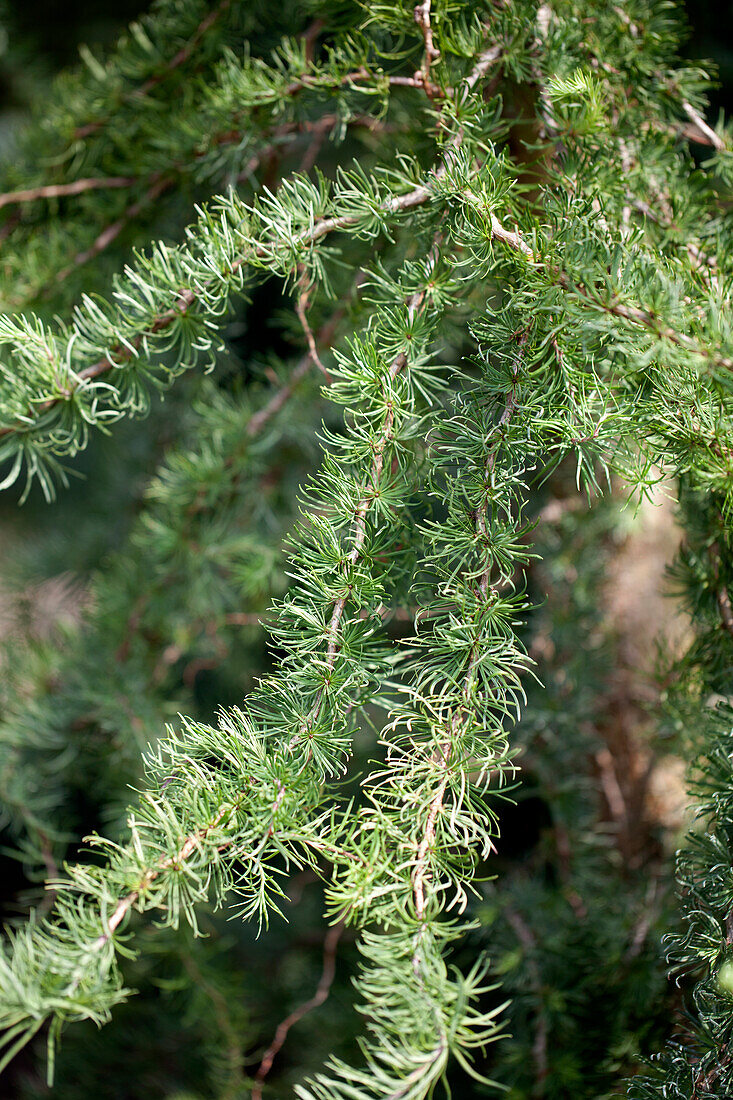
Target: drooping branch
x,y
187,297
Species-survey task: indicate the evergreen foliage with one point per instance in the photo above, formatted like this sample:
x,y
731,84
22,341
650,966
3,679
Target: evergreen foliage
x,y
507,284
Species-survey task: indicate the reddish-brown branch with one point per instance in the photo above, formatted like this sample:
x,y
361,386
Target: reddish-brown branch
x,y
61,190
358,76
186,298
302,302
318,128
612,788
321,994
325,338
191,843
708,134
431,54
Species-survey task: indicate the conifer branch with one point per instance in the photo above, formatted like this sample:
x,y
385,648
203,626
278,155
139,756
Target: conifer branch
x,y
539,301
175,62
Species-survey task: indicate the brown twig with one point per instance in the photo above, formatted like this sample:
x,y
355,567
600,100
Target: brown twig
x,y
193,840
190,844
611,788
323,989
699,122
358,76
186,297
301,308
316,127
321,227
325,338
431,54
61,190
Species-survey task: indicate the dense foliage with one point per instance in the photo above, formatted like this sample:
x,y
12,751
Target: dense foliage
x,y
431,292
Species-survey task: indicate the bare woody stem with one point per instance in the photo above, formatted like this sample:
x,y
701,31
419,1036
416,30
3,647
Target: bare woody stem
x,y
321,994
186,297
422,18
63,190
158,185
187,848
708,133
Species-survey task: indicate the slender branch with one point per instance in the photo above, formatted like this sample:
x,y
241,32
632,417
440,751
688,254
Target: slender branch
x,y
359,76
612,788
422,18
325,337
301,308
186,299
191,843
321,227
185,52
321,994
317,127
61,190
712,138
